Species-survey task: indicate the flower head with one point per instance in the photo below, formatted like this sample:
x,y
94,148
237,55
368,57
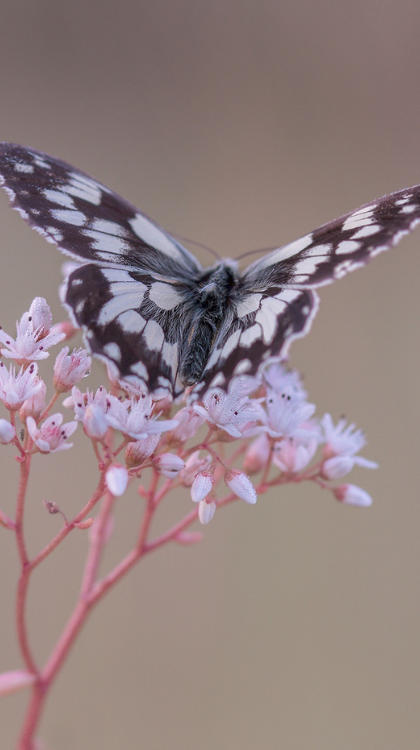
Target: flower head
x,y
17,388
69,369
33,335
230,411
52,435
134,417
342,443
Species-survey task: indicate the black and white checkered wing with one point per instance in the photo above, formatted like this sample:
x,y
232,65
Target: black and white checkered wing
x,y
275,300
130,294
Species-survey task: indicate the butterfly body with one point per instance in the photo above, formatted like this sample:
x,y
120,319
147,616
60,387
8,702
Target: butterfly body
x,y
146,305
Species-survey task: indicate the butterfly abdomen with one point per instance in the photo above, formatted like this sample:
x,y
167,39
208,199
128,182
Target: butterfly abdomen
x,y
211,300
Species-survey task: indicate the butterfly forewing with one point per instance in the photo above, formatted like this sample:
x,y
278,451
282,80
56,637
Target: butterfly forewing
x,y
140,295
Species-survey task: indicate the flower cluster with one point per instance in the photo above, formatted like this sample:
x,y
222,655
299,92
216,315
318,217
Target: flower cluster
x,y
267,419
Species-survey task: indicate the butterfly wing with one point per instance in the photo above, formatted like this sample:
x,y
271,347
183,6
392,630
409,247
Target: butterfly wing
x,y
275,302
131,296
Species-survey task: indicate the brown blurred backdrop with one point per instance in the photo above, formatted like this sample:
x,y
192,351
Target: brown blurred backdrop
x,y
242,124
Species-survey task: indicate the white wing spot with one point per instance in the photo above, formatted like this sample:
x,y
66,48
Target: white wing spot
x,y
117,274
367,231
170,355
268,322
118,305
84,188
250,335
153,335
164,296
54,232
113,351
107,243
140,369
56,196
231,344
287,251
347,246
360,218
131,321
109,227
152,235
242,367
26,168
408,209
248,305
76,218
342,268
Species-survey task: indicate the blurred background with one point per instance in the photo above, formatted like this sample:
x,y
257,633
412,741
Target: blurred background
x,y
241,124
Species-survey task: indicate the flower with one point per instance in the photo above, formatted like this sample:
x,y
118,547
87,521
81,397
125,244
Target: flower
x,y
33,335
90,409
70,369
292,456
15,389
280,380
287,415
137,452
257,454
230,411
35,405
342,442
189,422
51,436
193,465
134,417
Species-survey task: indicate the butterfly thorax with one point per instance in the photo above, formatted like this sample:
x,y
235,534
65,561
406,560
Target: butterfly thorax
x,y
210,302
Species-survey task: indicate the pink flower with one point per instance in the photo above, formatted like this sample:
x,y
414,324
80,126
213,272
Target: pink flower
x,y
51,436
189,422
33,335
137,452
193,465
70,369
257,454
90,409
15,389
134,417
34,406
342,443
292,456
230,411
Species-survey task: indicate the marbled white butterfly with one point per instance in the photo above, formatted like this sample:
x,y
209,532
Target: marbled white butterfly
x,y
148,307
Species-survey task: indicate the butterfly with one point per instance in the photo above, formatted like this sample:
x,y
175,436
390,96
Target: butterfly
x,y
147,306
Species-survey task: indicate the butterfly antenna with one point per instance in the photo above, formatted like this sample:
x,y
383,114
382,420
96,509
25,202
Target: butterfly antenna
x,y
255,252
197,244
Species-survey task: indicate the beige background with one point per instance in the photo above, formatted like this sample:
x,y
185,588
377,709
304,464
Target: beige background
x,y
242,124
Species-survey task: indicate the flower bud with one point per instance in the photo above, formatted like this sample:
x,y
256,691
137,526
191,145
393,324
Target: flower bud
x,y
34,406
257,455
193,465
41,316
350,494
241,486
18,679
117,479
7,432
94,422
137,451
201,486
168,464
206,511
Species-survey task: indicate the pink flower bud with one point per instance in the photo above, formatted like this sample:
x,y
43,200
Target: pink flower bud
x,y
193,465
201,486
350,494
41,317
18,679
337,467
7,432
206,511
69,369
241,486
117,479
168,464
34,406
